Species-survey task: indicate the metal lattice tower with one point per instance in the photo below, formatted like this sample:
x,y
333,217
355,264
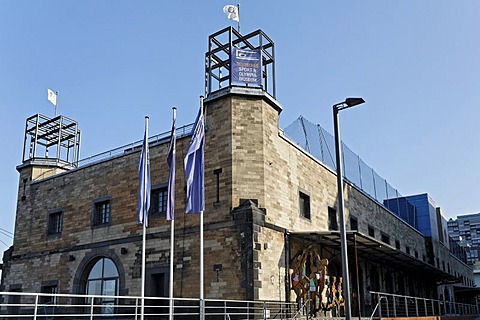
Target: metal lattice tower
x,y
218,58
56,139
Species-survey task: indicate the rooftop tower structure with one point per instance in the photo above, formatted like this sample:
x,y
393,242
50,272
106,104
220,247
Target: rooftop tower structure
x,y
51,145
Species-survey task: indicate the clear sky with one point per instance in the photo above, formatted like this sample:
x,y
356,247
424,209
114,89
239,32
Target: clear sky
x,y
416,63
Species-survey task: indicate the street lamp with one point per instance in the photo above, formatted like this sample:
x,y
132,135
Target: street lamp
x,y
349,102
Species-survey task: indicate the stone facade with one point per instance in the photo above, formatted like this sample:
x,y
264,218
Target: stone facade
x,y
254,180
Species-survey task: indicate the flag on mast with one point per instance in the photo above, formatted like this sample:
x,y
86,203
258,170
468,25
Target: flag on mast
x,y
52,96
194,168
232,12
144,174
171,176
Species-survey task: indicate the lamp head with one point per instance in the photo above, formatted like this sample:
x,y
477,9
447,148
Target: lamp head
x,y
350,102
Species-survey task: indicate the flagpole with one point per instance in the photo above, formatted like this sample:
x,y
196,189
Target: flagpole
x,y
143,270
144,239
56,103
202,302
238,23
172,233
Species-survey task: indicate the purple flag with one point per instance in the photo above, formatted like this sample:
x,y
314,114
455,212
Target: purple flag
x,y
194,167
144,174
171,165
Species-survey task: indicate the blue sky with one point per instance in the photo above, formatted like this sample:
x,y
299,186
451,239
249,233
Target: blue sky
x,y
416,63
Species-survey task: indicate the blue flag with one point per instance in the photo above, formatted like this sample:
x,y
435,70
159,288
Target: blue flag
x,y
171,176
194,168
144,174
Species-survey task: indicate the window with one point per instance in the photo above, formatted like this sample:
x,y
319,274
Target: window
x,y
407,250
397,244
55,222
332,219
101,212
159,201
353,223
416,254
371,231
385,238
103,280
50,287
304,205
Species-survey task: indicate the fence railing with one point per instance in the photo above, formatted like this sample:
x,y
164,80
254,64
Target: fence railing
x,y
161,137
20,305
321,144
392,305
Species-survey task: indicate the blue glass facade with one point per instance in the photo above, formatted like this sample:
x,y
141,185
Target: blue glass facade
x,y
419,211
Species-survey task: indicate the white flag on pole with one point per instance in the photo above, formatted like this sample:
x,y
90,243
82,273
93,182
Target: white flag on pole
x,y
52,97
232,12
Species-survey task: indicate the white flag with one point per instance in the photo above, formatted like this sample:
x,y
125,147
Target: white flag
x,y
232,12
52,97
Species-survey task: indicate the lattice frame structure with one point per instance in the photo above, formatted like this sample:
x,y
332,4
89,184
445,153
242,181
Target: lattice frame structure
x,y
217,58
59,134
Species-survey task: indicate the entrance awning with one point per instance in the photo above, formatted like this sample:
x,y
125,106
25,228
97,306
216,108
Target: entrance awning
x,y
374,250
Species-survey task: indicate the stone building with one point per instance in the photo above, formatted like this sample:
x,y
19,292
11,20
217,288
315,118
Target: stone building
x,y
270,205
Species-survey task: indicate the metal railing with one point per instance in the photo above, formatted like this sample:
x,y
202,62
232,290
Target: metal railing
x,y
159,138
393,305
21,305
319,143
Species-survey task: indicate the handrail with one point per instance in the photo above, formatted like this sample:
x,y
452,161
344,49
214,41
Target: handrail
x,y
375,309
300,309
24,305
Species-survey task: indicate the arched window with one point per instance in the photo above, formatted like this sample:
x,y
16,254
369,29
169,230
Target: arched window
x,y
102,280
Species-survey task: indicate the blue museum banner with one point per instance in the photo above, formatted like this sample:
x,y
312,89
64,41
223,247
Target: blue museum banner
x,y
246,66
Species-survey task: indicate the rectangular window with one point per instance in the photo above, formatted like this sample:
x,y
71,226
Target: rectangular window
x,y
55,222
304,203
159,201
332,219
49,289
407,249
101,212
416,254
353,223
385,238
397,244
371,231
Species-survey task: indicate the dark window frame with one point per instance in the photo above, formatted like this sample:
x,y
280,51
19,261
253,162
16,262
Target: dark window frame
x,y
101,217
50,287
55,222
371,231
385,237
158,193
397,244
332,219
304,206
353,223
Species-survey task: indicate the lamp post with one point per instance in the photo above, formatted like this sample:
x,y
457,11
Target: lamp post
x,y
349,102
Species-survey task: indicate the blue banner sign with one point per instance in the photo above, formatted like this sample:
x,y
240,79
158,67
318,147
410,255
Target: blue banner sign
x,y
246,66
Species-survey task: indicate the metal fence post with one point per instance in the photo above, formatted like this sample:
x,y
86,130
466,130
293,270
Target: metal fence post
x,y
91,309
416,307
394,307
379,298
224,310
406,306
36,307
388,309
